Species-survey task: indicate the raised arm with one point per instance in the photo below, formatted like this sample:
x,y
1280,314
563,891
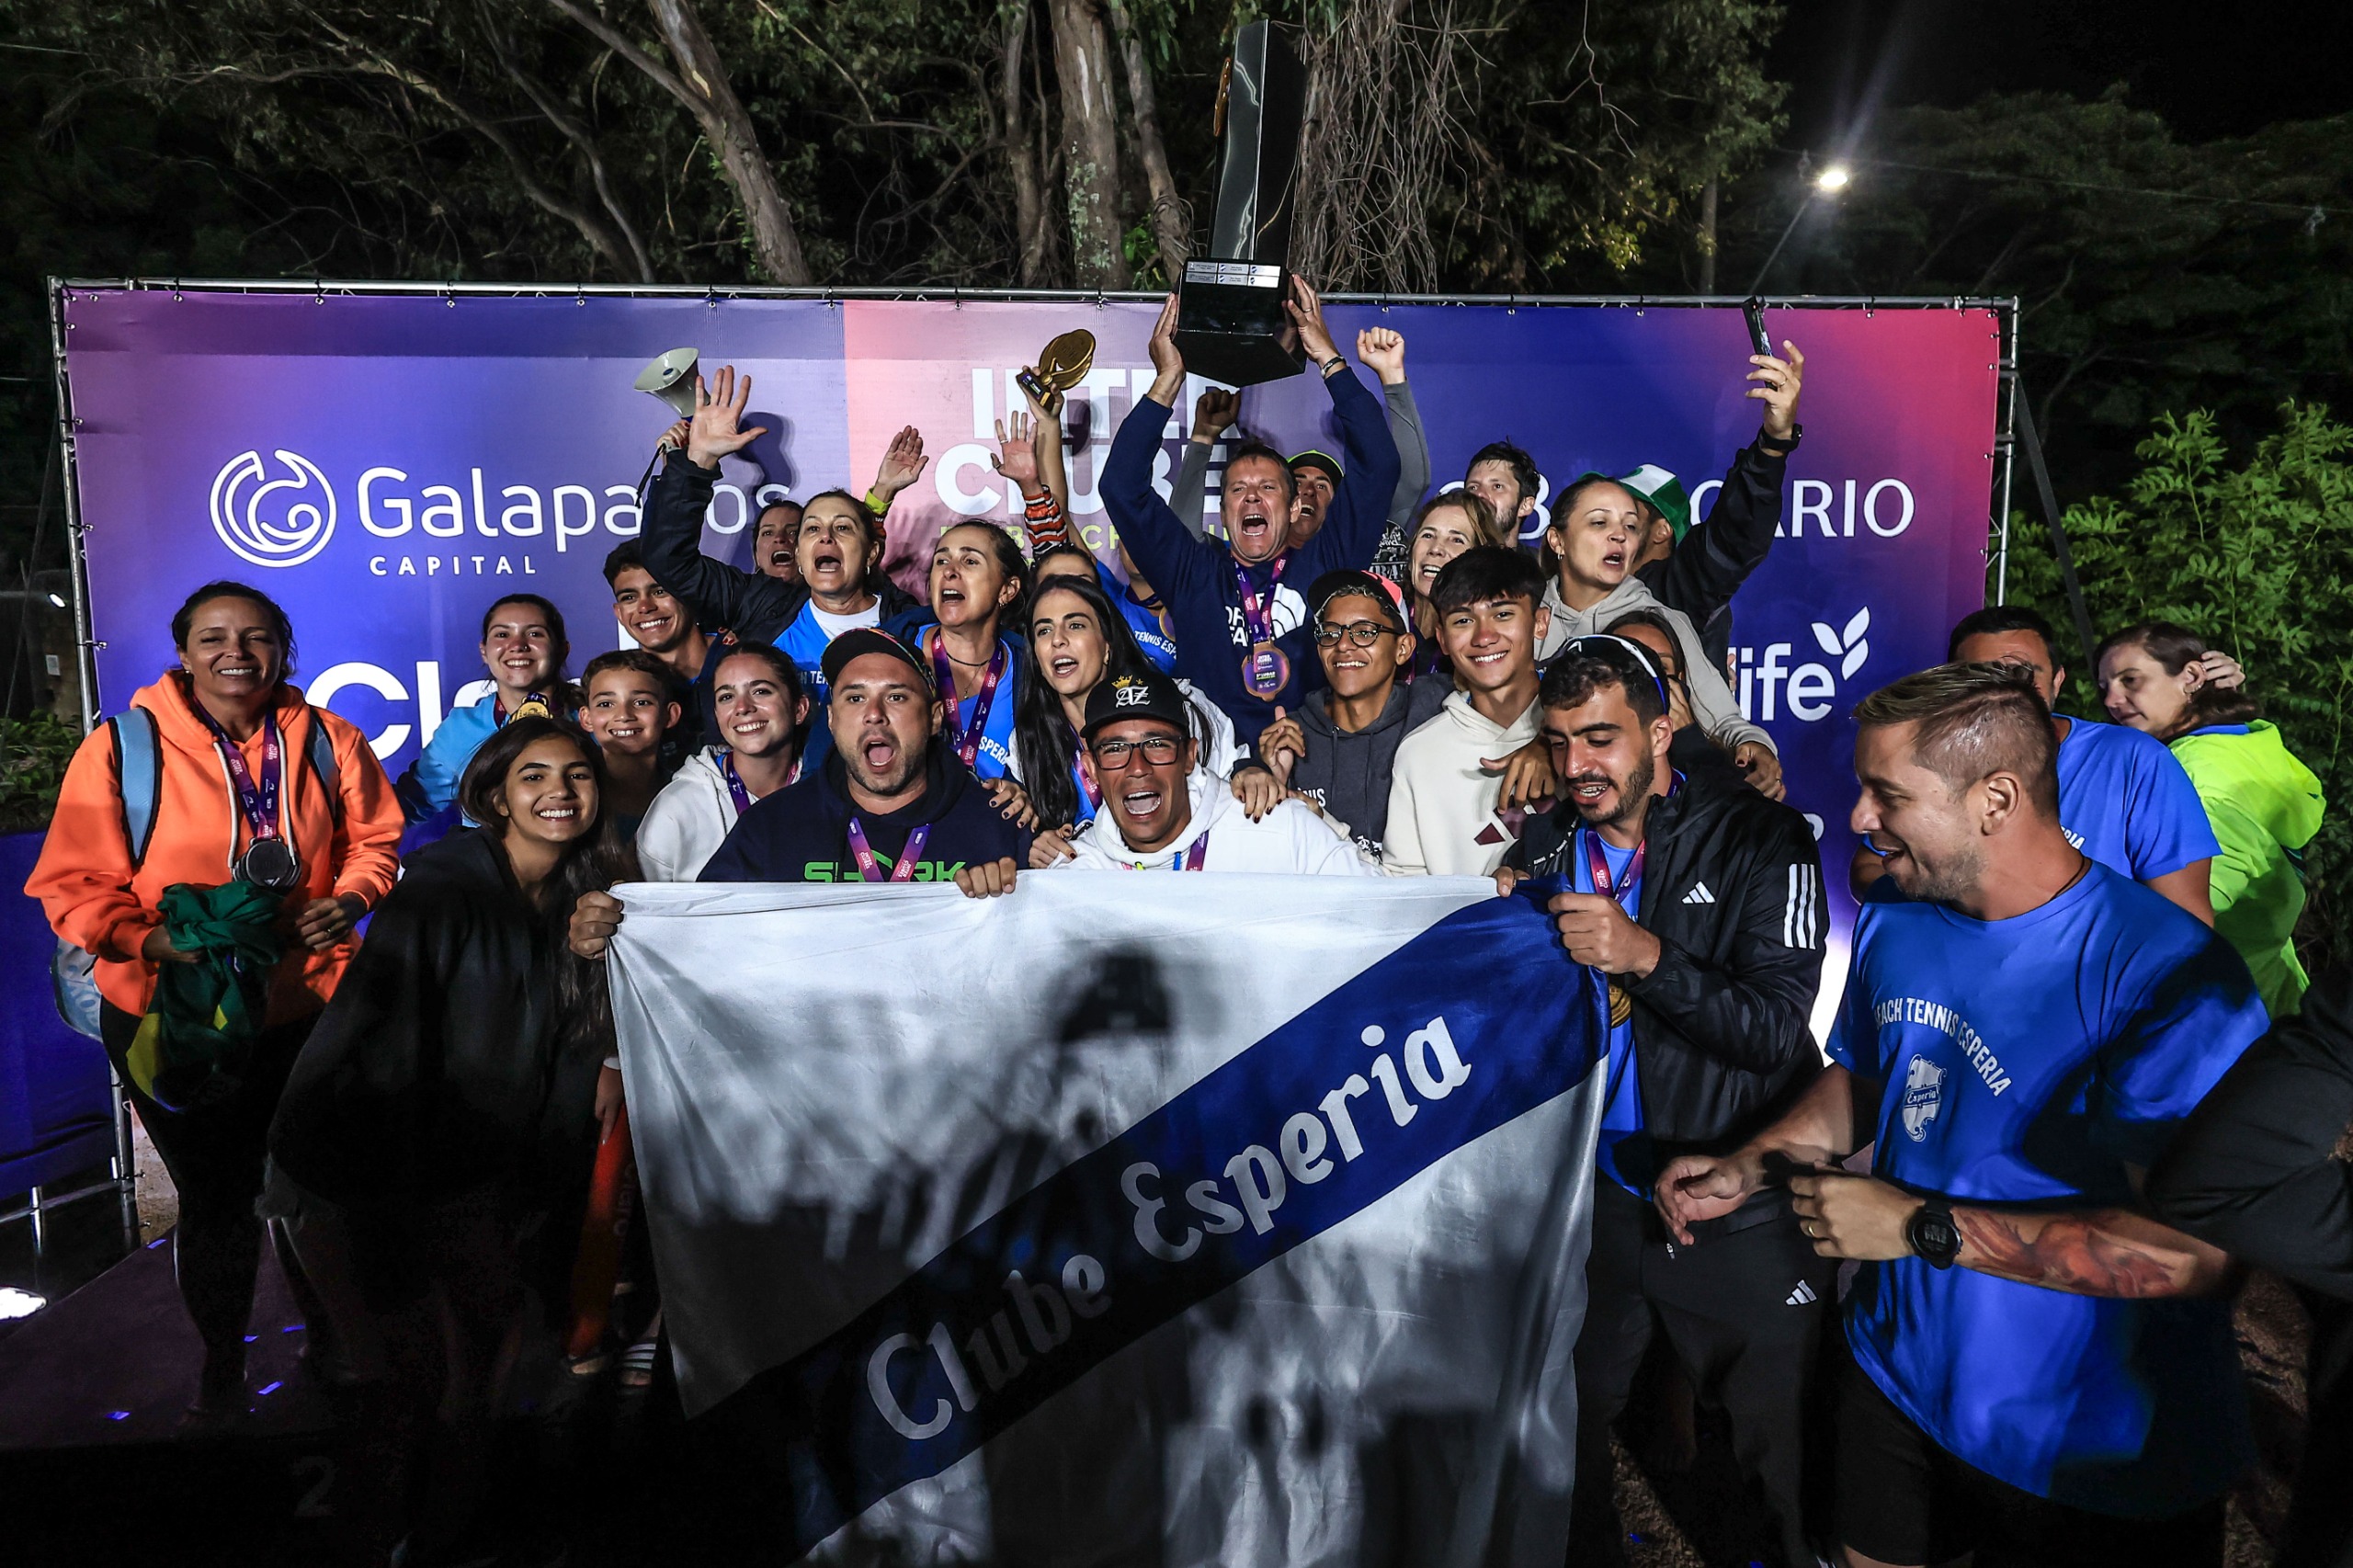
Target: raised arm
x,y
1172,559
1188,492
1382,351
671,538
1715,558
1351,532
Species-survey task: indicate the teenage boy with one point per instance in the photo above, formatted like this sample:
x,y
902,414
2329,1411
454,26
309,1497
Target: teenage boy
x,y
1337,752
1701,902
2124,799
838,549
655,619
2039,1367
1163,812
1241,630
628,706
890,803
1445,784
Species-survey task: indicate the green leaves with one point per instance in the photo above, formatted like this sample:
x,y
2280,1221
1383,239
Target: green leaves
x,y
2254,556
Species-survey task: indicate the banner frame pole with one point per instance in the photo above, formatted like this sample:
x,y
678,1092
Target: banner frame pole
x,y
2006,443
85,647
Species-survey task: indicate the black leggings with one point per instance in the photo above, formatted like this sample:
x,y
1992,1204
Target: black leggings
x,y
214,1153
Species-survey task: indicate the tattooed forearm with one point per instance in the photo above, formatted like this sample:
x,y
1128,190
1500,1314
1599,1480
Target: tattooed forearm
x,y
2106,1252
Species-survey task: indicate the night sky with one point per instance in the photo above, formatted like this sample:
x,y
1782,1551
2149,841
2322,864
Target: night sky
x,y
2210,69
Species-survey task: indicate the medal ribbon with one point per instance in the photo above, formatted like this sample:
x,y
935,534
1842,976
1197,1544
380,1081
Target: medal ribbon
x,y
258,801
871,868
967,740
1597,863
1258,620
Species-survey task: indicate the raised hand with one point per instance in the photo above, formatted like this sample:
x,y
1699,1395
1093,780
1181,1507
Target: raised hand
x,y
1017,453
1306,311
1281,744
1382,349
1167,359
903,462
1778,381
714,432
1041,412
1215,413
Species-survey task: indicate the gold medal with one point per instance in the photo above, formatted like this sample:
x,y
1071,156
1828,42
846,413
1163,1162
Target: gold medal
x,y
1621,1006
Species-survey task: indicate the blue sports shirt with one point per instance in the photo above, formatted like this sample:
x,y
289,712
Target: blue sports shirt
x,y
2125,801
2027,1062
1623,1153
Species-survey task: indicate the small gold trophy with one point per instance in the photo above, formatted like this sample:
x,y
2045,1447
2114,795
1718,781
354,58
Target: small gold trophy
x,y
1061,365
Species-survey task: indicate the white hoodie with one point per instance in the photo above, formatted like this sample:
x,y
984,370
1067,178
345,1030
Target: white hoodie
x,y
1289,838
687,821
1713,707
1442,820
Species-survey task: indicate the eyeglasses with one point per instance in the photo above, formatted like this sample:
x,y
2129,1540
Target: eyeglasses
x,y
1158,750
1363,634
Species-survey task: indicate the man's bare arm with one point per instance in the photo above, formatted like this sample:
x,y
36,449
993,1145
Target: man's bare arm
x,y
2102,1252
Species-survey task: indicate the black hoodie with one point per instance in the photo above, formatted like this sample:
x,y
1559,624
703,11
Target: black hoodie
x,y
1347,773
801,833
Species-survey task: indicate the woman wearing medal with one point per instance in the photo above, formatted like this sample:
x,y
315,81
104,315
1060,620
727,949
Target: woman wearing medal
x,y
977,576
240,792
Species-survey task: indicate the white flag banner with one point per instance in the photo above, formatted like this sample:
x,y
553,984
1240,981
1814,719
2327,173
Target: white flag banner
x,y
1126,1219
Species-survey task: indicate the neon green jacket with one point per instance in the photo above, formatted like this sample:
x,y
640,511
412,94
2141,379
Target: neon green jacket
x,y
2265,807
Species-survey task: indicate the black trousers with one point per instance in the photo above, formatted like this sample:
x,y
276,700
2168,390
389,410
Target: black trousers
x,y
1744,1311
214,1153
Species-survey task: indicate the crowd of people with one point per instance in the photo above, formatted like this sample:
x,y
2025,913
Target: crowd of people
x,y
2048,1127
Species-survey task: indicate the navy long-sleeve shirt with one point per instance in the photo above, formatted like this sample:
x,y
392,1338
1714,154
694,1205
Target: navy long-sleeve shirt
x,y
1195,577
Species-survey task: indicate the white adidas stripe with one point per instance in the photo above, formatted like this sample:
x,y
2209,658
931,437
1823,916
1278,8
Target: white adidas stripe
x,y
1800,926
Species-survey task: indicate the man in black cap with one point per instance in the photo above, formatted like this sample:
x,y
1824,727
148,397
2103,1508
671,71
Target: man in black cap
x,y
1337,751
890,804
1163,812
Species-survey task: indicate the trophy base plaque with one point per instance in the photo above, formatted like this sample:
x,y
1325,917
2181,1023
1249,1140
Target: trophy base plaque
x,y
1231,325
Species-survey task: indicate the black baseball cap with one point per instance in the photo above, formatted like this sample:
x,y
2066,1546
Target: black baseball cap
x,y
1148,696
860,641
1314,459
1347,580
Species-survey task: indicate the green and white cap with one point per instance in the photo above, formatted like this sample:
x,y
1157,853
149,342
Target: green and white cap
x,y
1663,491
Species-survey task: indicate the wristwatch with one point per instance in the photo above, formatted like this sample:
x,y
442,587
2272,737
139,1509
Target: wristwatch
x,y
1781,447
1931,1235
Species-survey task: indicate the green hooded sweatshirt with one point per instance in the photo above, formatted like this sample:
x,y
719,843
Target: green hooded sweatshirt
x,y
2265,807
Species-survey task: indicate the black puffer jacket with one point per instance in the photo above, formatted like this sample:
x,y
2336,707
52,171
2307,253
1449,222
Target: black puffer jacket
x,y
1731,888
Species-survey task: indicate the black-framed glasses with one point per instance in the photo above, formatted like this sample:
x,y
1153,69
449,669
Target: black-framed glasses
x,y
1158,750
1363,634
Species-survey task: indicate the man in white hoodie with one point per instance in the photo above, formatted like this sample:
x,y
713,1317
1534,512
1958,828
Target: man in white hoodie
x,y
759,707
1446,781
1161,812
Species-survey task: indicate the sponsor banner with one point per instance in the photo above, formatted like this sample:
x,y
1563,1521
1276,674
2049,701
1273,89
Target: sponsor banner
x,y
387,465
1115,1233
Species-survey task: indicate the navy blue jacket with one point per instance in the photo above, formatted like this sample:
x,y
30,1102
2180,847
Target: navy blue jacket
x,y
801,833
1195,576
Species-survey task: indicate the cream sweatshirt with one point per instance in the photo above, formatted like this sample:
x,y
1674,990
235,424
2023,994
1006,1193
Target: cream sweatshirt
x,y
1442,820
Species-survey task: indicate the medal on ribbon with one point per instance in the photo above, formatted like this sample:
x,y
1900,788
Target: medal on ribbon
x,y
1266,671
1596,864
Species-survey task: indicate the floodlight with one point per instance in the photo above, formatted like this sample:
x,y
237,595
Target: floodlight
x,y
1831,180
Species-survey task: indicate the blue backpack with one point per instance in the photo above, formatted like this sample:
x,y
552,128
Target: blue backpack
x,y
139,780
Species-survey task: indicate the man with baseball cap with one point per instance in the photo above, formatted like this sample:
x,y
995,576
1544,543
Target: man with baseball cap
x,y
1337,751
890,803
1161,812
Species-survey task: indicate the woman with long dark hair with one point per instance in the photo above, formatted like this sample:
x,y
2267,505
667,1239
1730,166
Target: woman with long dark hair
x,y
2263,802
977,580
1078,639
443,1112
524,647
251,797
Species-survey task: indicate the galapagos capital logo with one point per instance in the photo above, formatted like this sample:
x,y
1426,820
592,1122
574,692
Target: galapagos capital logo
x,y
264,526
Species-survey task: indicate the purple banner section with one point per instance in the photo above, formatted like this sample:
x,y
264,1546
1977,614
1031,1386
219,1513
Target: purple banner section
x,y
386,466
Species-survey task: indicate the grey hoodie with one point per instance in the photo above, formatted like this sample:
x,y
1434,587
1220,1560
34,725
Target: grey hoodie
x,y
1712,708
1349,774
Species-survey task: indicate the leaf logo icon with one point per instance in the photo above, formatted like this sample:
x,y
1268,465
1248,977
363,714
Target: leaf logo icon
x,y
1850,646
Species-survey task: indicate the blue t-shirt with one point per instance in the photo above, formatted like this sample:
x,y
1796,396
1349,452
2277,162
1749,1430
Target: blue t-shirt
x,y
1624,1153
1150,636
2125,801
993,759
2027,1062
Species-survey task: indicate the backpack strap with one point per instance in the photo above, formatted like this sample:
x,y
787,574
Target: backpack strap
x,y
138,775
320,751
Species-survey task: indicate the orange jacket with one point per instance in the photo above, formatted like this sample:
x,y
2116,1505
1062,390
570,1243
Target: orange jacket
x,y
99,902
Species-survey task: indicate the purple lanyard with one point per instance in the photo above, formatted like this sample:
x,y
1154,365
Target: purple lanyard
x,y
1597,864
1194,856
735,780
967,741
259,802
1258,620
872,868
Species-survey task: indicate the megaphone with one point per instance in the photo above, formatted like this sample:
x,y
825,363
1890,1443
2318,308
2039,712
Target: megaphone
x,y
671,379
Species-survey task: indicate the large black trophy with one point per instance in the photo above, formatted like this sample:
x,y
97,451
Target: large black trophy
x,y
1230,322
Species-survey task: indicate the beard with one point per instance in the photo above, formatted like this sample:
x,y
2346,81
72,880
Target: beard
x,y
1633,793
1947,882
909,766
